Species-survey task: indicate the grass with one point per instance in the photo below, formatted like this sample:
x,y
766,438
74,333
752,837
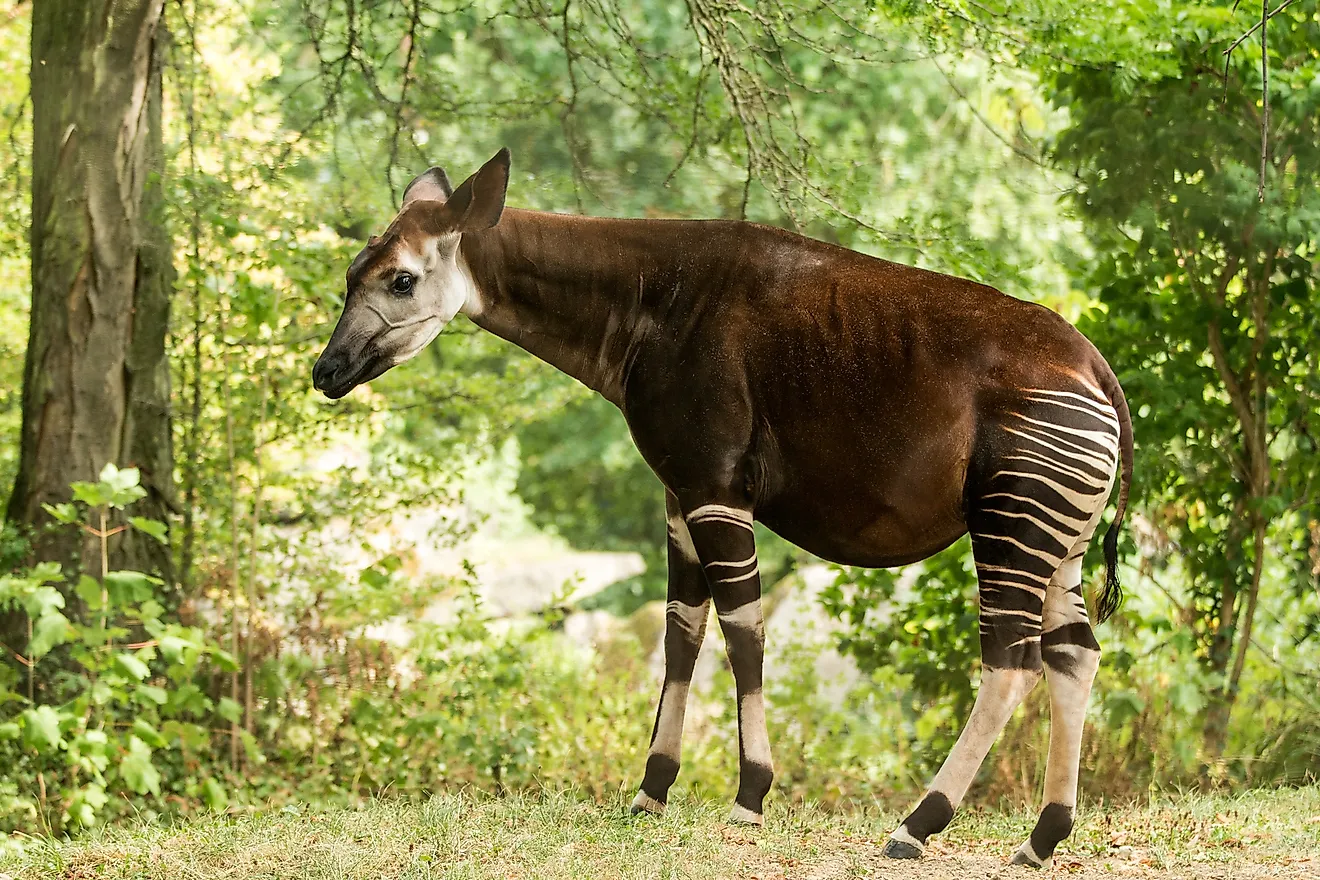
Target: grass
x,y
548,837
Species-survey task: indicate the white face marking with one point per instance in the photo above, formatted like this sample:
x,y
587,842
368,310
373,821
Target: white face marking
x,y
442,287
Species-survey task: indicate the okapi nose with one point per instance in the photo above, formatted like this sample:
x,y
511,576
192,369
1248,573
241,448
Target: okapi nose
x,y
328,366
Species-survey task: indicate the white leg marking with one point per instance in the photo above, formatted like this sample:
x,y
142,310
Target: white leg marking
x,y
644,801
682,538
692,618
722,513
902,836
1044,581
1030,853
669,727
1051,558
740,815
752,729
748,561
999,694
739,577
747,616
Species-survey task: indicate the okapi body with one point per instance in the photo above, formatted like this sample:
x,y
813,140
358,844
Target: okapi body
x,y
870,413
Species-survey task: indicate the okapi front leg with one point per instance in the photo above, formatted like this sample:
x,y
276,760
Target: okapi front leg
x,y
726,544
686,611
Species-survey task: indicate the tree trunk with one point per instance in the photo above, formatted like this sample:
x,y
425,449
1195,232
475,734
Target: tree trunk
x,y
96,379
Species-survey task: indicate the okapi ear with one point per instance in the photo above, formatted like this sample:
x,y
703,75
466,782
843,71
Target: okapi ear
x,y
431,186
479,200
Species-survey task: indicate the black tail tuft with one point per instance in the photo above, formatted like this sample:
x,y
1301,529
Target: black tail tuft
x,y
1112,596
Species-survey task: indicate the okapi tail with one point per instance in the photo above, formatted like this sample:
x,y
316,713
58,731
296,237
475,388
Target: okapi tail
x,y
1112,595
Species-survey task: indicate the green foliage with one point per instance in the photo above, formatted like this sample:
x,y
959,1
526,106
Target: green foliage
x,y
921,620
107,704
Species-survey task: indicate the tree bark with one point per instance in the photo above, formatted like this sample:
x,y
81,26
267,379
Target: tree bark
x,y
96,379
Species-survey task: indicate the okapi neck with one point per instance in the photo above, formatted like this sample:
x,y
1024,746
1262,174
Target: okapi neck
x,y
576,292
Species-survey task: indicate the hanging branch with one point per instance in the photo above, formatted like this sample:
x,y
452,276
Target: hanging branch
x,y
1263,26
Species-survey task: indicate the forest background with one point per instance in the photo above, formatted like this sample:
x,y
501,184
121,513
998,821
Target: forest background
x,y
219,588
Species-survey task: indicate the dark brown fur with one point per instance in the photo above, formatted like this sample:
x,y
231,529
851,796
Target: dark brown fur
x,y
842,395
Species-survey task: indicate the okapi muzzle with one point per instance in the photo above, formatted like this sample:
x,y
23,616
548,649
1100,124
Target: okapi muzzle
x,y
870,413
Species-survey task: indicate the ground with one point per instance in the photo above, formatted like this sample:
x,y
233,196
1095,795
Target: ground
x,y
1260,834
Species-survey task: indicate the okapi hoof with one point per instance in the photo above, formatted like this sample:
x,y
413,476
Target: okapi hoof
x,y
740,815
1027,856
644,803
901,849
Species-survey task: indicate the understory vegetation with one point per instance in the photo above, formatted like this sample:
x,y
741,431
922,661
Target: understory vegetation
x,y
299,612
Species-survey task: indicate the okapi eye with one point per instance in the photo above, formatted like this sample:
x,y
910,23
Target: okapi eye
x,y
403,284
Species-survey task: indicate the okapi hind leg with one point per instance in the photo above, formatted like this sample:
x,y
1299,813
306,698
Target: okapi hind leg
x,y
1071,656
686,611
1026,520
1001,690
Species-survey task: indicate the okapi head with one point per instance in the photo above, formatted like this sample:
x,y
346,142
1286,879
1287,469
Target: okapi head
x,y
405,285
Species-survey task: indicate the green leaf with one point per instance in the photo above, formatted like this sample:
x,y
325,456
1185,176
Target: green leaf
x,y
149,693
229,710
87,803
137,770
88,589
41,729
121,487
132,666
148,734
42,600
90,494
65,513
50,630
131,587
154,528
214,794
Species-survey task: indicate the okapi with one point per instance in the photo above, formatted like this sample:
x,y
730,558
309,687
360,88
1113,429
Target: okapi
x,y
868,412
